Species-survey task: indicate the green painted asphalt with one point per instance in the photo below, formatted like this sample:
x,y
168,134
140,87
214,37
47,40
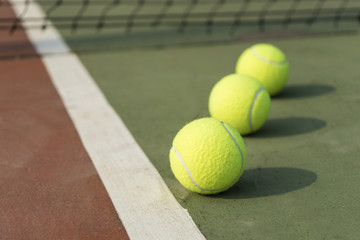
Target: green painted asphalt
x,y
302,176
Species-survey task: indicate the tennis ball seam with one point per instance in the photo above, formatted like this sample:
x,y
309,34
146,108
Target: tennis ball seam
x,y
193,180
252,107
238,147
261,58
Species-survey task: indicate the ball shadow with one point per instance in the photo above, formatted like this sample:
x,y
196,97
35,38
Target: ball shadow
x,y
304,90
262,182
282,127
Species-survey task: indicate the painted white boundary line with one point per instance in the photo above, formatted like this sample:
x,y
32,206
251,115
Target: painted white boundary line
x,y
144,203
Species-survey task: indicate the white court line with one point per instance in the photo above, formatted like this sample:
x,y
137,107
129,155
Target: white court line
x,y
144,203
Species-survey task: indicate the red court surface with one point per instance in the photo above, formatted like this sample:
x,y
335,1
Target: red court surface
x,y
49,188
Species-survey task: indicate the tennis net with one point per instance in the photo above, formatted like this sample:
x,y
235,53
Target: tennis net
x,y
139,15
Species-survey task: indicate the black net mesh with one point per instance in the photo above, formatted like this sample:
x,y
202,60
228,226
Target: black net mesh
x,y
133,15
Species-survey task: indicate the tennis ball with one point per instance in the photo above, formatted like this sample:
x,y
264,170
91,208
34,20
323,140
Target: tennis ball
x,y
208,156
267,64
241,101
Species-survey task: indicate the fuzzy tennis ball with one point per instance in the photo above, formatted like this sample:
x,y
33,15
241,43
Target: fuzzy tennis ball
x,y
267,64
241,101
208,156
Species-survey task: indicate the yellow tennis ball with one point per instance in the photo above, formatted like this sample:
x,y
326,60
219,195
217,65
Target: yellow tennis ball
x,y
241,101
267,64
208,156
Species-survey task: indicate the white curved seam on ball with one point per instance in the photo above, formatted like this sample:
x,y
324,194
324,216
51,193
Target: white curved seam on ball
x,y
242,156
190,175
265,59
252,107
187,169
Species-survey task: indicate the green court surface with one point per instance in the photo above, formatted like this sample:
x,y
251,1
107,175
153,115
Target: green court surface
x,y
302,175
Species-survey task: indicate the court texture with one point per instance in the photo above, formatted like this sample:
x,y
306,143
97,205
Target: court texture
x,y
93,92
